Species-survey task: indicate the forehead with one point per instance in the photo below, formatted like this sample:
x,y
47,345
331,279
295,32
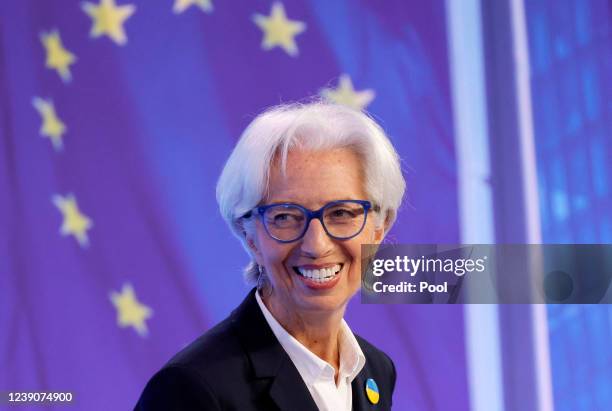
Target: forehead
x,y
314,177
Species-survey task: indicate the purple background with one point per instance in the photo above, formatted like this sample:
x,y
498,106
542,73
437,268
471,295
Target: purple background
x,y
150,125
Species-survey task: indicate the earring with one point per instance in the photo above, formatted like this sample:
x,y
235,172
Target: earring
x,y
260,277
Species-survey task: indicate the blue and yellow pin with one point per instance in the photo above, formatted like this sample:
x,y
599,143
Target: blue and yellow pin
x,y
371,390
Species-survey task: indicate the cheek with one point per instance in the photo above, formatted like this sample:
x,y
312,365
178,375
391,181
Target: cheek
x,y
354,253
353,248
272,252
354,275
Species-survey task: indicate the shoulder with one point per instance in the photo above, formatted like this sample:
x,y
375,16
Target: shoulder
x,y
178,388
197,374
201,372
211,350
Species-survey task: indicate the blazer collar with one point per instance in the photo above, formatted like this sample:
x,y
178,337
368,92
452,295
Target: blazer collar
x,y
269,359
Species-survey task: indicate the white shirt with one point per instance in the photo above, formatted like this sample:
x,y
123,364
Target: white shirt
x,y
318,375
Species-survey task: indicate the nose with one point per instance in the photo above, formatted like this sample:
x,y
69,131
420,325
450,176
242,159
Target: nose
x,y
316,243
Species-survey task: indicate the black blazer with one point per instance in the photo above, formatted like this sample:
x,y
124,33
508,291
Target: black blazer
x,y
240,365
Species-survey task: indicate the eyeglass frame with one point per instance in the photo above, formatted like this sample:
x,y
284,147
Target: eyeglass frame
x,y
311,215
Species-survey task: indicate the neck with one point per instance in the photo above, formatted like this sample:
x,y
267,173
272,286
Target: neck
x,y
316,330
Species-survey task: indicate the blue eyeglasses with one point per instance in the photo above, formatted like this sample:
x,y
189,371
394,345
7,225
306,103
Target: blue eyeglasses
x,y
288,222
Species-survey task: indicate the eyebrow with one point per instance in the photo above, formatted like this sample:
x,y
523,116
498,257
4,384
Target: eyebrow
x,y
300,204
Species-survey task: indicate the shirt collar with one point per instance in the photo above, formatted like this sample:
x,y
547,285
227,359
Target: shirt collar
x,y
308,364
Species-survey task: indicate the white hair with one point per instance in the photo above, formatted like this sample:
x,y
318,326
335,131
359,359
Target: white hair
x,y
318,125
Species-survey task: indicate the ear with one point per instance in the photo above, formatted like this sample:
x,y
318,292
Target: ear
x,y
251,241
381,231
254,249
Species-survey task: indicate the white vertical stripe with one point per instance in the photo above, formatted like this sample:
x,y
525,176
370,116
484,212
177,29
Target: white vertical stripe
x,y
525,122
475,200
470,120
542,357
484,357
531,199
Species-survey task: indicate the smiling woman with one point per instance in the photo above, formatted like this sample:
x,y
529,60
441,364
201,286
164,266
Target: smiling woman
x,y
305,187
292,281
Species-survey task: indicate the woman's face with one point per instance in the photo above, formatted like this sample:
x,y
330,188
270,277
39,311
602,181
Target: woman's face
x,y
313,179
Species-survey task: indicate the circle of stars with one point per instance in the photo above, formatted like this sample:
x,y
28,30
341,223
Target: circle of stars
x,y
108,19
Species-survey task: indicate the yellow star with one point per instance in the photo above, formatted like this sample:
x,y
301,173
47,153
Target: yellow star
x,y
74,223
278,30
182,5
346,95
58,57
52,127
108,18
130,312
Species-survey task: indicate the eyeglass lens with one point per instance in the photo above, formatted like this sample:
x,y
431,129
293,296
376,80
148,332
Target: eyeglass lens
x,y
341,220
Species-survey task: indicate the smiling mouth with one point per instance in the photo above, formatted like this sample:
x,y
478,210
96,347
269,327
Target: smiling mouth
x,y
321,275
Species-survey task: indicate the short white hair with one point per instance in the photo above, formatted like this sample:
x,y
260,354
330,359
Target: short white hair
x,y
317,125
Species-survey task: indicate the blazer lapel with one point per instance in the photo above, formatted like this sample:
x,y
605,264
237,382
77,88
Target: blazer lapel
x,y
269,359
360,403
289,391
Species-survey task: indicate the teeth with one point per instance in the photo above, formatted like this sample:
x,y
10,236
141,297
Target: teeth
x,y
321,275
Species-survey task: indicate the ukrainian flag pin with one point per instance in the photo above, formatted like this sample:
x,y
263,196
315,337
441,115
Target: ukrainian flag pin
x,y
371,390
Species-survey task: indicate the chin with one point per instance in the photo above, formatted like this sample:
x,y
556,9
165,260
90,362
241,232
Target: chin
x,y
328,302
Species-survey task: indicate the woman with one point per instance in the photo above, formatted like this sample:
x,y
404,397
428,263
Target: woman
x,y
306,185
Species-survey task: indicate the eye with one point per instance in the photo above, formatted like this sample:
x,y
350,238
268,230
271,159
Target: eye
x,y
285,217
342,213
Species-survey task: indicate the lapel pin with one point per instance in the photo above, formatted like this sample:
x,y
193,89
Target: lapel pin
x,y
371,390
